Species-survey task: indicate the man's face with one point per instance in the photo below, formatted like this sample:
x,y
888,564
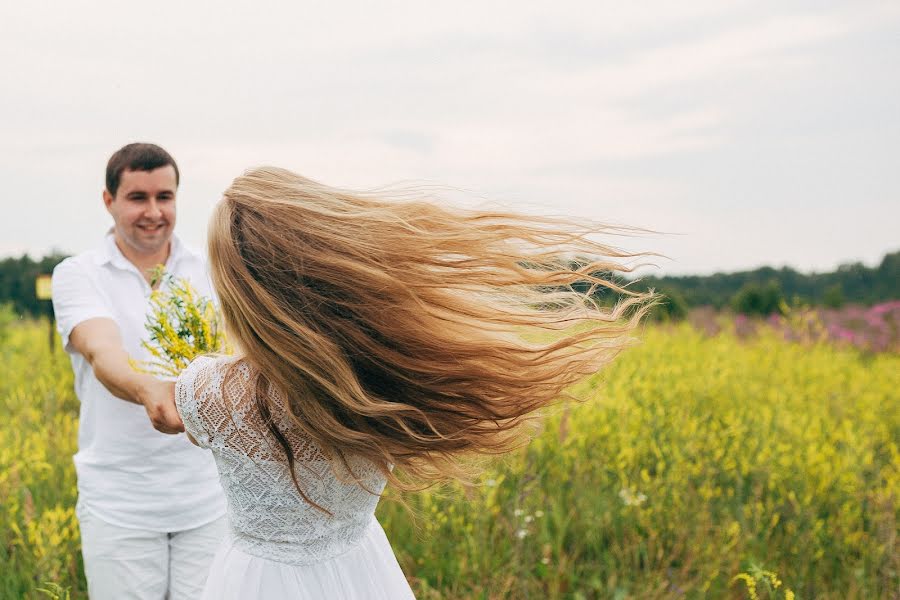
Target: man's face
x,y
144,208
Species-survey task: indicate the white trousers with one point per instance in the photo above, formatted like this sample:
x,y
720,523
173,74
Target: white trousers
x,y
134,564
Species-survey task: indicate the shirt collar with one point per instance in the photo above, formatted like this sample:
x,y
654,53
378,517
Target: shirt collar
x,y
110,253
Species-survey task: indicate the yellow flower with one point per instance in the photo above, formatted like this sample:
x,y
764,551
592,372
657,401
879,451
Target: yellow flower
x,y
750,582
182,325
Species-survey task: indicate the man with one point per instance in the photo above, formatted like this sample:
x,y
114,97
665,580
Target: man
x,y
150,507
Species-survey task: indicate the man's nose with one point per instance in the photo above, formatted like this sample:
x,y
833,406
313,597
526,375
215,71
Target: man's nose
x,y
153,211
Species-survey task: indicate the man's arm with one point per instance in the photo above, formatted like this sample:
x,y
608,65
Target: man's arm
x,y
100,342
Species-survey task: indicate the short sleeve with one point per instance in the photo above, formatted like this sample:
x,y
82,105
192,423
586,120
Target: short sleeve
x,y
75,299
215,399
196,390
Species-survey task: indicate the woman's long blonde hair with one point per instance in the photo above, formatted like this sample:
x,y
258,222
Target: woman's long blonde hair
x,y
399,330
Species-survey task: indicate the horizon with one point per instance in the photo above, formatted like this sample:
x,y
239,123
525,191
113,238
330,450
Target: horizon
x,y
641,272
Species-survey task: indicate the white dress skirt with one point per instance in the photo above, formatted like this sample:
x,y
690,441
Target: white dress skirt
x,y
368,570
279,545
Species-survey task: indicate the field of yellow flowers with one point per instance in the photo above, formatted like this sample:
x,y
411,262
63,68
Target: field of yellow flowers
x,y
696,467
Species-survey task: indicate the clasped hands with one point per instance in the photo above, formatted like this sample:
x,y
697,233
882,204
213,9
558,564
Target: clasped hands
x,y
158,398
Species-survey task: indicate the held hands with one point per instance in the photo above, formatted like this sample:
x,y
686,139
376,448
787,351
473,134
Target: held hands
x,y
158,398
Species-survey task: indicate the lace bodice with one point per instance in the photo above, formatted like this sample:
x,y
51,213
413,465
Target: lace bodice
x,y
267,516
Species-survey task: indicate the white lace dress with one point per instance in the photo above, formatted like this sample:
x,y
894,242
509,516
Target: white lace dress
x,y
278,545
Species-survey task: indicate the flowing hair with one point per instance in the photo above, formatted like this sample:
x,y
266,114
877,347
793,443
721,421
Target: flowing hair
x,y
408,333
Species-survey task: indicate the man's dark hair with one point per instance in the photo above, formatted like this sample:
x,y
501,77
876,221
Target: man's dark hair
x,y
136,157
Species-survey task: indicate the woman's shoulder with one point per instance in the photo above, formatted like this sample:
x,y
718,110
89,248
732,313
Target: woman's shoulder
x,y
204,365
212,386
215,363
205,374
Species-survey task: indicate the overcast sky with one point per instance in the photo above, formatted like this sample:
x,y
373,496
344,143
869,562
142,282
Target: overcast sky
x,y
753,132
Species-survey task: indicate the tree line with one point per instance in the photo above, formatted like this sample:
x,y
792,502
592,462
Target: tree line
x,y
761,291
17,276
766,290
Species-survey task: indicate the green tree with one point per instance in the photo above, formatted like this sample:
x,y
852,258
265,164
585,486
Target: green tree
x,y
671,307
759,299
17,276
834,296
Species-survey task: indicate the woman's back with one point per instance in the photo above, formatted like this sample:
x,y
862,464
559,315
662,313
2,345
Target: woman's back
x,y
268,518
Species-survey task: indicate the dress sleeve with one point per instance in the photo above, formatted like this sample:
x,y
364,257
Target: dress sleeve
x,y
197,393
214,398
75,299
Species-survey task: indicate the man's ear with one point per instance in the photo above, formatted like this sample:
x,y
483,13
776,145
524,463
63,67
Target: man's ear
x,y
107,198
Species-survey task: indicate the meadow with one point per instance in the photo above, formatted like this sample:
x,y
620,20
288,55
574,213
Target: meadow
x,y
696,466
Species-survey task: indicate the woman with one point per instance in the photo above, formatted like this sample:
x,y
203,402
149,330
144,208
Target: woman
x,y
379,341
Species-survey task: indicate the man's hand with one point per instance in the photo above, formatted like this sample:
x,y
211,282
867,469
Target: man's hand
x,y
158,398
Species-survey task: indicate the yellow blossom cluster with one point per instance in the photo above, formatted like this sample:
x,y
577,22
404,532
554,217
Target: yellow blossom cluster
x,y
757,578
181,325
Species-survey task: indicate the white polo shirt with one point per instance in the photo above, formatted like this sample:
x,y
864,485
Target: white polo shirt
x,y
129,474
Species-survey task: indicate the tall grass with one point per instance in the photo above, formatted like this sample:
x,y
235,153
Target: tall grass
x,y
691,460
38,428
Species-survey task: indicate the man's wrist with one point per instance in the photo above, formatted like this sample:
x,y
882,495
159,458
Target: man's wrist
x,y
143,385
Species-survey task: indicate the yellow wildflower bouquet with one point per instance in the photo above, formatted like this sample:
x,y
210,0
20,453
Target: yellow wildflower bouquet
x,y
182,325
